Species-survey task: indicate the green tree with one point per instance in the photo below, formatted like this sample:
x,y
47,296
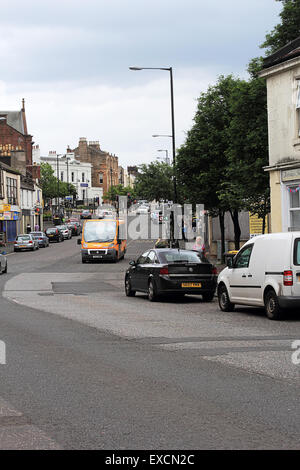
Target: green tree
x,y
154,181
50,186
287,30
118,190
203,159
247,184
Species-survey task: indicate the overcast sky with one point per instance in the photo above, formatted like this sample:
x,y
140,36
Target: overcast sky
x,y
70,60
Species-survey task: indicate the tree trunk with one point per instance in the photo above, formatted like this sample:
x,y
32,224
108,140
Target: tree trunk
x,y
222,229
237,230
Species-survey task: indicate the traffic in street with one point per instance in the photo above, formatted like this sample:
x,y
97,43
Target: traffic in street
x,y
88,366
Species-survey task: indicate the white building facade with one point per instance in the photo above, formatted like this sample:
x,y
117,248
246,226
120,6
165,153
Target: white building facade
x,y
72,171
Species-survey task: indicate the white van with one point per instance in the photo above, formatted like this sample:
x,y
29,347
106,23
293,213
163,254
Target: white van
x,y
265,272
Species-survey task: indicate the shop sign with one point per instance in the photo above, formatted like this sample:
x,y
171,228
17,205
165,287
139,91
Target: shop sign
x,y
6,215
5,207
287,175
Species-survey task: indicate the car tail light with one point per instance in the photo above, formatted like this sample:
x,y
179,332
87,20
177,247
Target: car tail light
x,y
288,278
16,242
164,271
30,242
214,270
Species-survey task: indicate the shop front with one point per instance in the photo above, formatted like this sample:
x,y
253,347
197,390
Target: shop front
x,y
9,222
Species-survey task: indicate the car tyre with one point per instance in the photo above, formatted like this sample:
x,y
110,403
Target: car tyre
x,y
152,293
128,290
224,301
208,296
273,310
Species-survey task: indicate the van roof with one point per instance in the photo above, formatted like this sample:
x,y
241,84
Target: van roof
x,y
274,236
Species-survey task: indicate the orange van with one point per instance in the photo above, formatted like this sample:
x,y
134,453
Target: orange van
x,y
100,240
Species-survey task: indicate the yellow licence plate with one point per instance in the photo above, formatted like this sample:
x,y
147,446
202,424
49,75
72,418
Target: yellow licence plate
x,y
191,284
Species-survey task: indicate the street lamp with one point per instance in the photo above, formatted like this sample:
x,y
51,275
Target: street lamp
x,y
166,157
168,69
57,168
161,135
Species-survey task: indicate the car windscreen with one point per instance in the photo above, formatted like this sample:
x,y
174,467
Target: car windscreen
x,y
100,231
37,234
23,237
51,230
178,256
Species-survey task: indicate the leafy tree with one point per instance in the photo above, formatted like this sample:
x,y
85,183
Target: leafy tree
x,y
287,30
203,159
118,190
247,184
155,181
49,186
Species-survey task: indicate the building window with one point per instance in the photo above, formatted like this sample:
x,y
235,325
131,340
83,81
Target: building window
x,y
101,178
1,185
61,176
72,176
298,108
11,189
82,177
294,206
83,194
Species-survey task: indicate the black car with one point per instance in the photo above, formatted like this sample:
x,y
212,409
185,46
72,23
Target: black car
x,y
171,271
54,234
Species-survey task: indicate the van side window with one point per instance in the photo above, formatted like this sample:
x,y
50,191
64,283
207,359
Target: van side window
x,y
243,257
297,252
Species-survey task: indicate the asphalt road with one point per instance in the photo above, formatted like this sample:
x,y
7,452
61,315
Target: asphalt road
x,y
88,368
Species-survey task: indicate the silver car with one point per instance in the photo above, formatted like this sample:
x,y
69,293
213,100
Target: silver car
x,y
26,242
3,263
41,237
67,233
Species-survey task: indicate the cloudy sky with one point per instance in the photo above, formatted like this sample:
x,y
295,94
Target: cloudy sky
x,y
70,60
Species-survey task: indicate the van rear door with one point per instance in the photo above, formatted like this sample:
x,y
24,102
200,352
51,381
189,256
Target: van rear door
x,y
296,267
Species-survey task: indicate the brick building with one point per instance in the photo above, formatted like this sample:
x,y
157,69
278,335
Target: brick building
x,y
105,171
16,153
15,142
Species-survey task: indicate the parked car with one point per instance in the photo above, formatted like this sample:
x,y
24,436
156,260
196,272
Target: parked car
x,y
143,210
74,227
264,273
66,231
54,234
86,214
3,263
41,237
171,271
25,242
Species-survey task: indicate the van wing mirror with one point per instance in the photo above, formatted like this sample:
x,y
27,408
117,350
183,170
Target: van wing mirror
x,y
78,241
229,262
132,263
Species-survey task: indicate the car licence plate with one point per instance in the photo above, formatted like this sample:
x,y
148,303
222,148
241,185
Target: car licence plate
x,y
97,256
191,284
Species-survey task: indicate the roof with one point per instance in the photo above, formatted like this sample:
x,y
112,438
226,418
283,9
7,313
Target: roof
x,y
285,53
9,169
14,119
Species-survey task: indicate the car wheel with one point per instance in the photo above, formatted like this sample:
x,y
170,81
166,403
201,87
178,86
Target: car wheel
x,y
208,296
273,310
152,294
128,290
224,301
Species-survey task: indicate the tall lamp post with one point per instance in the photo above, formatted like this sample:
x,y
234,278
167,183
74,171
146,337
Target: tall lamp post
x,y
168,69
57,169
166,157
